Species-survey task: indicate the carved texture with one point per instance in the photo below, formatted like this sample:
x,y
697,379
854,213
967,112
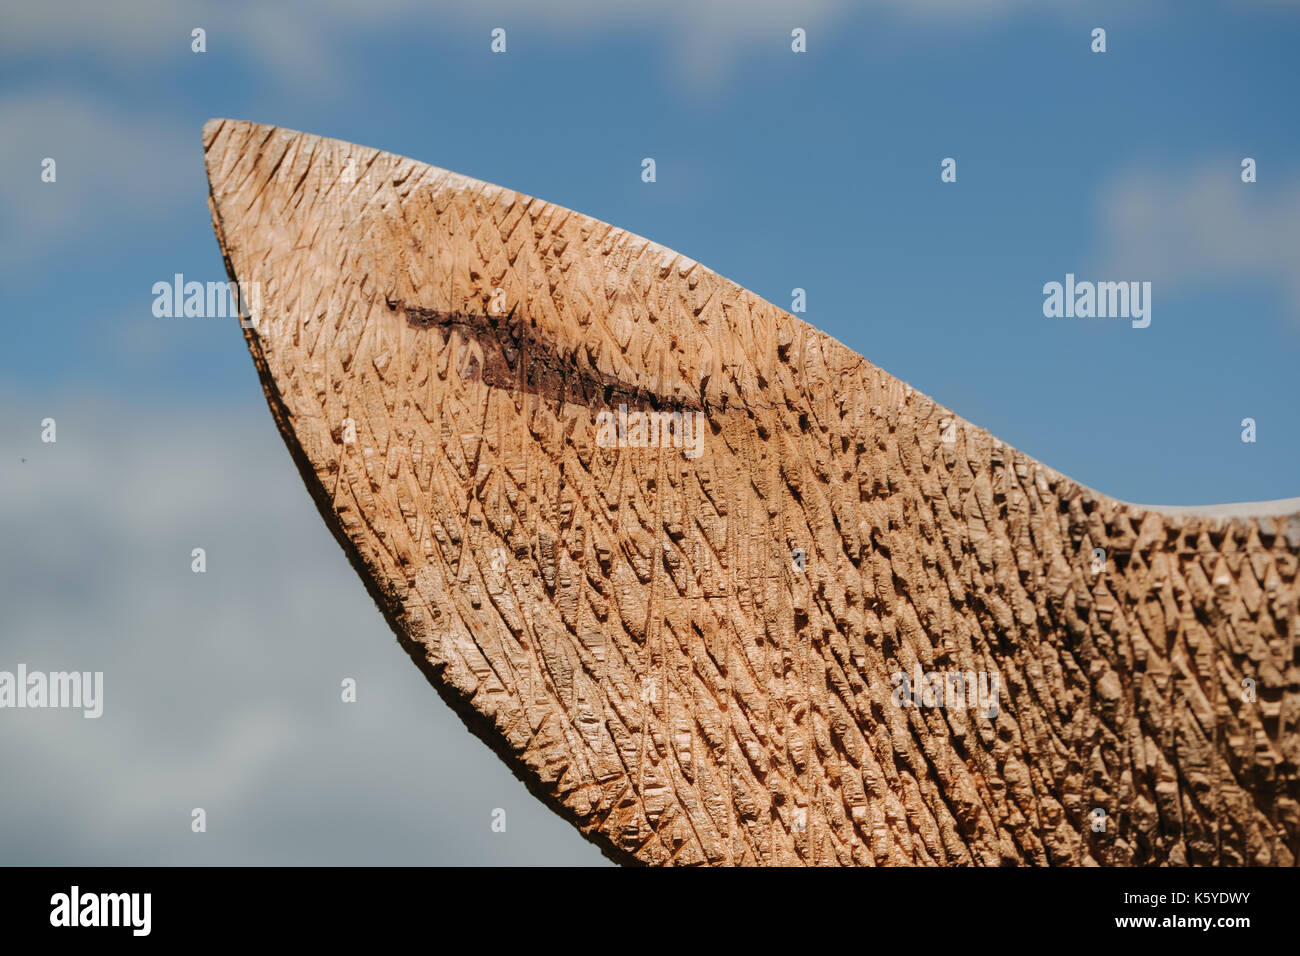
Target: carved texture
x,y
633,630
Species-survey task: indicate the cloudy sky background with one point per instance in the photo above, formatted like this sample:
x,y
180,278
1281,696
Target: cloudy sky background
x,y
819,171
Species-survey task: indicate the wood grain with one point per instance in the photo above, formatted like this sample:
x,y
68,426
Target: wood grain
x,y
633,629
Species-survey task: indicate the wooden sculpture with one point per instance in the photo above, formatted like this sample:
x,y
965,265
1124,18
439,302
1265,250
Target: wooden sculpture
x,y
718,589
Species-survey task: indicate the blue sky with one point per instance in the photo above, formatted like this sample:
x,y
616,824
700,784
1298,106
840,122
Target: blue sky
x,y
778,170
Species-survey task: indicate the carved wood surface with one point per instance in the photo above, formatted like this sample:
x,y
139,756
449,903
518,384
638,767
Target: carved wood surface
x,y
697,658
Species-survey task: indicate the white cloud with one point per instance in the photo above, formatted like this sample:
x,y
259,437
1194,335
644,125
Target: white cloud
x,y
109,162
1184,227
221,690
298,39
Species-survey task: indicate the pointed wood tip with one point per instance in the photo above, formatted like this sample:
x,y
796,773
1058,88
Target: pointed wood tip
x,y
221,135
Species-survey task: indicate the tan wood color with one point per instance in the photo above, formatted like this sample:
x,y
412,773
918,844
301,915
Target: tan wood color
x,y
695,659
